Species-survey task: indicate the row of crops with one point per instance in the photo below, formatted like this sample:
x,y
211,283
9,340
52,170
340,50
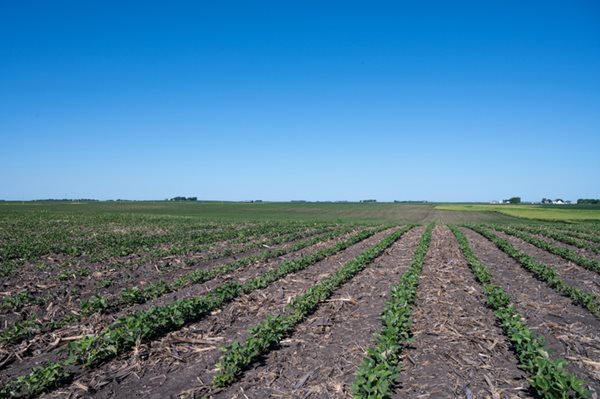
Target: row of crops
x,y
166,274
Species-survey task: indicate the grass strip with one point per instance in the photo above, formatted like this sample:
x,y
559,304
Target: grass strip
x,y
543,272
547,376
375,376
269,333
148,324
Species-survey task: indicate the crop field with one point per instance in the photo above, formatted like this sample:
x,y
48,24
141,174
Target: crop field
x,y
539,212
158,300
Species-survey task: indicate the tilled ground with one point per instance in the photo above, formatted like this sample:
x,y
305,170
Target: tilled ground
x,y
572,273
582,252
185,358
571,331
320,358
60,298
457,347
48,346
458,350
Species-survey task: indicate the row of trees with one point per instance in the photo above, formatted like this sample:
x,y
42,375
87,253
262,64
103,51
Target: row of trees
x,y
588,201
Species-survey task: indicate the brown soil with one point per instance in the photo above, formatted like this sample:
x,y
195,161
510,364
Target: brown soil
x,y
570,331
176,362
457,346
573,274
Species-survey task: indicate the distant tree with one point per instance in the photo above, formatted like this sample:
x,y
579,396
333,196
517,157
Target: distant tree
x,y
184,199
588,201
513,200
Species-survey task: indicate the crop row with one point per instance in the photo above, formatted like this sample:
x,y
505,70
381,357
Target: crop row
x,y
148,324
546,376
563,252
68,239
543,272
560,236
23,298
267,334
74,269
375,376
130,296
182,238
16,302
585,228
583,235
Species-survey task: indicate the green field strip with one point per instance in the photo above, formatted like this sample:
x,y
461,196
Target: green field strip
x,y
375,376
132,296
559,236
267,334
565,253
546,375
542,272
149,324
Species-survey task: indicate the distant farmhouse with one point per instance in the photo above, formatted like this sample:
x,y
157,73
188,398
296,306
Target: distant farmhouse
x,y
557,201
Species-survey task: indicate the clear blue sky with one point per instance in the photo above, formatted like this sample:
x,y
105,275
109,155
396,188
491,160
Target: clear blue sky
x,y
316,100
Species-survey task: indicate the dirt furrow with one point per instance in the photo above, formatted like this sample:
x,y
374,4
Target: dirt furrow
x,y
575,275
184,359
571,331
320,358
458,347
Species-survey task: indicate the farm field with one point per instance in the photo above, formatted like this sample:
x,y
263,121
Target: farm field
x,y
566,213
216,300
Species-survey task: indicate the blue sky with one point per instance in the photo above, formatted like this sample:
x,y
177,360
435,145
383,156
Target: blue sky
x,y
280,100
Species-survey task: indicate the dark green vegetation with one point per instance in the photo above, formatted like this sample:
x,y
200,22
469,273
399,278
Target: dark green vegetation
x,y
88,284
238,211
